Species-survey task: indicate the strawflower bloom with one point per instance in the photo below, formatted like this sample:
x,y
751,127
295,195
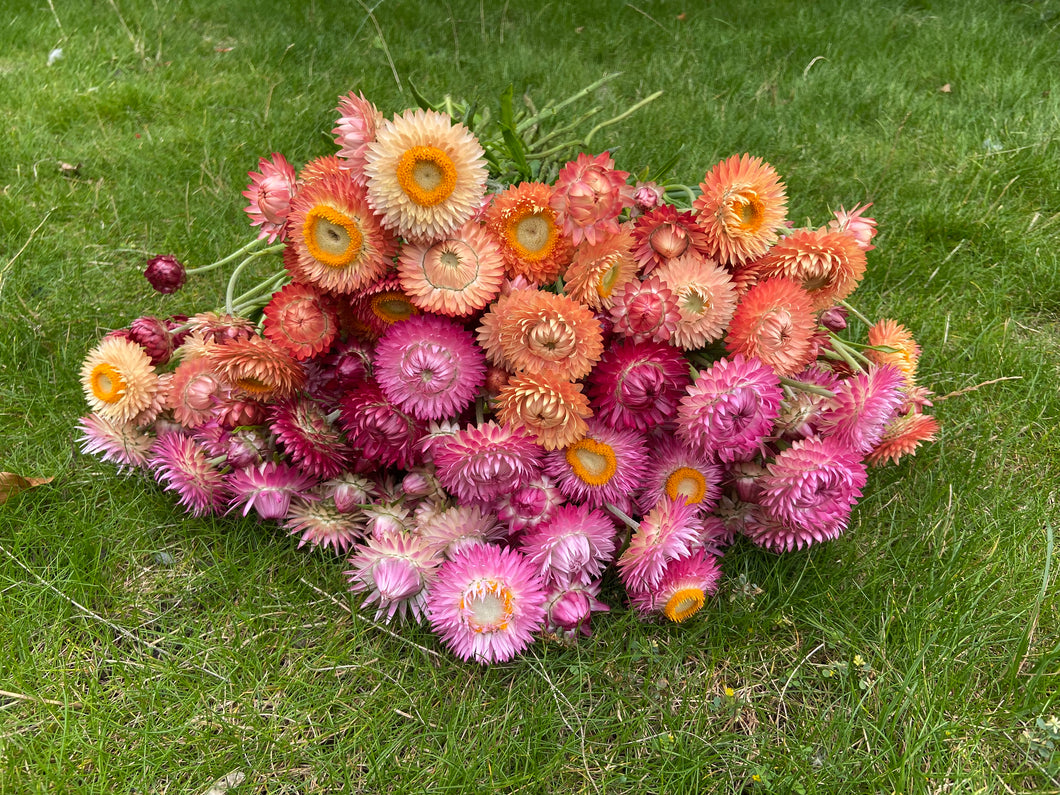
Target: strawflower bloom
x,y
523,222
426,175
268,488
377,430
605,466
741,209
827,264
812,487
270,192
482,462
862,407
588,196
301,320
395,569
686,584
529,505
664,234
358,121
552,409
429,366
574,546
118,379
335,240
310,437
569,608
638,384
645,310
669,530
165,273
319,523
774,322
855,224
182,465
258,367
705,299
888,333
456,276
599,269
902,436
675,471
457,528
730,408
154,337
486,604
124,444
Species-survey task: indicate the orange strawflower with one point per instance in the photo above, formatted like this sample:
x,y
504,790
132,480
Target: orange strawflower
x,y
827,264
774,321
257,367
902,436
906,356
599,269
551,408
524,223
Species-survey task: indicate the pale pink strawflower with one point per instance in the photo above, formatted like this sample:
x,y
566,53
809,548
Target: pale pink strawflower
x,y
429,366
357,123
862,407
395,569
686,584
458,528
379,431
387,515
318,523
268,488
310,437
669,530
124,444
855,224
481,462
486,604
194,391
800,411
270,192
605,466
588,196
638,385
348,491
573,546
569,609
182,465
730,408
813,486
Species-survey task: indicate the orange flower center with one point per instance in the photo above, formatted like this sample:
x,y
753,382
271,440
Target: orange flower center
x,y
391,306
332,237
427,175
592,461
685,603
746,213
688,483
487,606
107,383
255,386
531,234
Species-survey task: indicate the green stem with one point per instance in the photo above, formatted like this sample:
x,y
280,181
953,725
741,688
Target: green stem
x,y
620,116
856,313
802,386
231,288
625,518
255,243
551,110
849,355
684,189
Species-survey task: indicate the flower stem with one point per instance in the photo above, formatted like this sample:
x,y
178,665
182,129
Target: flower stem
x,y
802,386
682,189
551,110
231,289
625,518
628,111
255,243
855,313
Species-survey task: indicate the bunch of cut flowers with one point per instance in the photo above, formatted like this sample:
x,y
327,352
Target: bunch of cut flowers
x,y
494,380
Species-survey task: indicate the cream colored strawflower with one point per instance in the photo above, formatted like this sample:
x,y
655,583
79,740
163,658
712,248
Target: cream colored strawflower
x,y
118,379
426,175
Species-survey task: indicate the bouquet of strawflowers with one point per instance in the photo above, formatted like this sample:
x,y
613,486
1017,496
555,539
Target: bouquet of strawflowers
x,y
496,380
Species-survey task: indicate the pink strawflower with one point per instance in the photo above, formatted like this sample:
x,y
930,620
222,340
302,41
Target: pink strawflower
x,y
574,546
666,233
124,444
348,491
686,584
638,384
270,192
862,407
588,196
310,437
182,465
669,530
569,609
730,408
429,366
604,466
387,515
245,445
486,604
800,411
268,488
193,392
529,505
458,528
358,121
855,224
319,523
812,487
395,569
647,196
377,429
165,273
675,471
645,311
302,320
484,461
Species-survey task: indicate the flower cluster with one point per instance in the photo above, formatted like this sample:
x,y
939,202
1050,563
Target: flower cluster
x,y
489,398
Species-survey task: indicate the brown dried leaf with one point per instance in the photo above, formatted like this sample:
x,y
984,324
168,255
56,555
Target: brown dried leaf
x,y
11,484
945,89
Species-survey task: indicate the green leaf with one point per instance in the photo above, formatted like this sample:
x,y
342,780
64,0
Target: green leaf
x,y
511,138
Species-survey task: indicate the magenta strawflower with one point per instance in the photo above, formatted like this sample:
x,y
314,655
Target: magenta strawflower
x,y
674,470
268,488
429,366
812,487
486,604
319,523
481,462
686,584
604,466
395,569
310,437
182,465
529,505
123,444
165,273
378,430
638,384
270,192
573,546
862,407
154,336
730,408
669,530
569,609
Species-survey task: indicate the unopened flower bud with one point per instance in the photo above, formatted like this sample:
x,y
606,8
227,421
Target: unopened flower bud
x,y
165,273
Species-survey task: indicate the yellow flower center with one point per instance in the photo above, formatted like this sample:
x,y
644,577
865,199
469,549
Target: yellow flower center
x,y
254,386
487,606
746,213
427,175
592,461
107,383
390,306
332,237
688,483
531,234
685,603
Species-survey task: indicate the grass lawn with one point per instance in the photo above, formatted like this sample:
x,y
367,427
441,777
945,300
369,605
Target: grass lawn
x,y
145,651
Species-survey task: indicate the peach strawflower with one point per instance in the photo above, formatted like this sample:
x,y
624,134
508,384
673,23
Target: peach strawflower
x,y
855,224
827,264
553,409
358,121
118,379
742,209
301,320
599,269
257,367
774,321
335,241
320,167
193,392
455,276
524,224
902,436
426,175
589,195
705,299
906,355
380,305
